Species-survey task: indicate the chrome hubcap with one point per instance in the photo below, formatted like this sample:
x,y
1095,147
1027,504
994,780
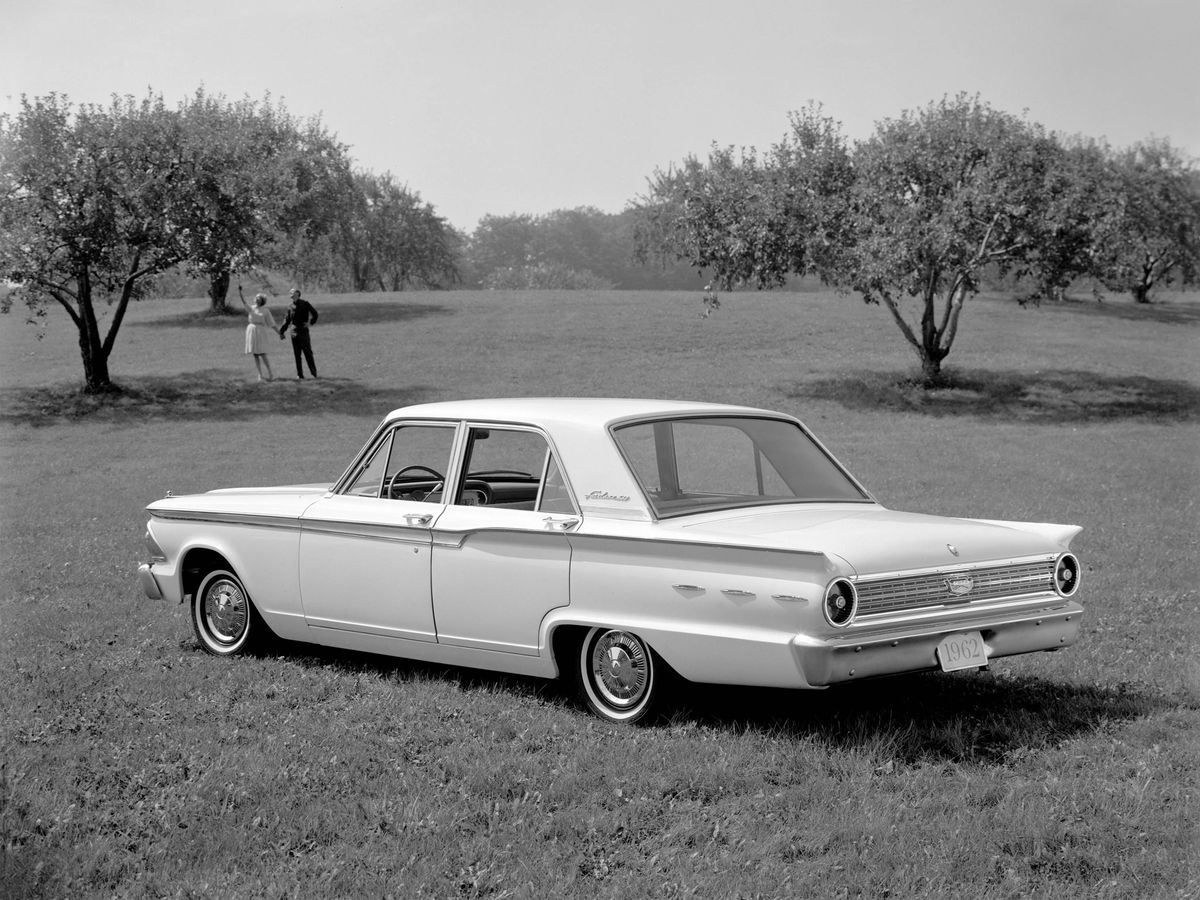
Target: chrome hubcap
x,y
225,611
619,667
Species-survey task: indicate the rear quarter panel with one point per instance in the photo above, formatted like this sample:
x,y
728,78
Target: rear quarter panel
x,y
714,613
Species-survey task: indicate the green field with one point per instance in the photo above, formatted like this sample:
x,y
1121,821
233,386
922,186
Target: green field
x,y
135,765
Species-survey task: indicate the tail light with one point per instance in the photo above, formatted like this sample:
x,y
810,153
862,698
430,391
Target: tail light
x,y
841,601
1066,575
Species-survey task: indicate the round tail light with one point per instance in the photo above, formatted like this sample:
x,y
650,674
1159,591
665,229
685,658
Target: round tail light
x,y
841,600
1066,575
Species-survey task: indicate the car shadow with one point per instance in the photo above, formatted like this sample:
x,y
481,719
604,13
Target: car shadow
x,y
965,717
331,314
1065,396
208,395
972,717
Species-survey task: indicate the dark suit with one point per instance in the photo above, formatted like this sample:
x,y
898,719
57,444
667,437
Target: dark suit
x,y
299,316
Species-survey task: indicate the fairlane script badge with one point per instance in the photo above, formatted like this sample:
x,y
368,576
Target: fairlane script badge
x,y
960,586
605,495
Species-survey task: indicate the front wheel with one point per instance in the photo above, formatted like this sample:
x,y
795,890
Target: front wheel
x,y
619,675
222,616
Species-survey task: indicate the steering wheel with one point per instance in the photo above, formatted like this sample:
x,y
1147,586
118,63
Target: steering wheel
x,y
391,485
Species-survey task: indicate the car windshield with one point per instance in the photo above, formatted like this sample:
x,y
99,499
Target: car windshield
x,y
718,462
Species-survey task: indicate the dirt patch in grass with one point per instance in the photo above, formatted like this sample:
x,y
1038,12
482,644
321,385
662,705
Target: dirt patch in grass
x,y
1056,397
206,395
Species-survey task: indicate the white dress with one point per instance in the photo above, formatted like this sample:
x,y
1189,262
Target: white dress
x,y
256,332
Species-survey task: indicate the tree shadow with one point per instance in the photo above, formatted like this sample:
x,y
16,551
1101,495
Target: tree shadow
x,y
1163,312
209,395
330,315
1056,397
971,717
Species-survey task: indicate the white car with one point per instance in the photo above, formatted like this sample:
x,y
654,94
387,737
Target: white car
x,y
616,542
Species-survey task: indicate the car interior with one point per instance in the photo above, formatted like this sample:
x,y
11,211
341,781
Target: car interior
x,y
509,468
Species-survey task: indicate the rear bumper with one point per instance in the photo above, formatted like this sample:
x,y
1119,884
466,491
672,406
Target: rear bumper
x,y
890,651
148,582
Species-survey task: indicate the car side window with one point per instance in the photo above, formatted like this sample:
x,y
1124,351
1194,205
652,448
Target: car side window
x,y
555,496
509,468
408,463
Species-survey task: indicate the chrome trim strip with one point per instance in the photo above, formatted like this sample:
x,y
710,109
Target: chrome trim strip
x,y
406,634
956,610
226,518
954,569
400,534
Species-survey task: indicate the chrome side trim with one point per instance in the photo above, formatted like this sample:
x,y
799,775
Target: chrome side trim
x,y
226,518
400,534
406,634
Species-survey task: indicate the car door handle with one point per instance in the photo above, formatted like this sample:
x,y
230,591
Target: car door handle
x,y
417,520
554,524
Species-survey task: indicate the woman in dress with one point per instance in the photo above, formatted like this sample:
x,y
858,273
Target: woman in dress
x,y
256,332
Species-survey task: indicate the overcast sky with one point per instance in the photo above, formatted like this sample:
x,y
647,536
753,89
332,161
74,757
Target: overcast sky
x,y
526,106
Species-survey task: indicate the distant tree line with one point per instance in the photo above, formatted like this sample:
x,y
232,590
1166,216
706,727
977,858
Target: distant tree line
x,y
935,201
567,249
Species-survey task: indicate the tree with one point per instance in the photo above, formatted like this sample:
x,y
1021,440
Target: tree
x,y
91,205
392,239
264,186
1152,236
1080,196
940,195
719,215
755,222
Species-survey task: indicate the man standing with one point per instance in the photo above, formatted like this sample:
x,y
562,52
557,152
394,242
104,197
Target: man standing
x,y
300,315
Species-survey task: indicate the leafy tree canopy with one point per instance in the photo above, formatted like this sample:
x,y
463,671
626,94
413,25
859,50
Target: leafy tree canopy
x,y
93,204
914,216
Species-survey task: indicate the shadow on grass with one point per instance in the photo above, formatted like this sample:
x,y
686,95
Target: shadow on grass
x,y
964,718
1163,312
1067,396
210,395
330,315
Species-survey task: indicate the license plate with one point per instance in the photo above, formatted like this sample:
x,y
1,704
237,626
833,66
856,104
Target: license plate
x,y
962,651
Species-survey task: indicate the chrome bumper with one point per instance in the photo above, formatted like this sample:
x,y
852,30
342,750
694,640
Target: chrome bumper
x,y
148,582
892,651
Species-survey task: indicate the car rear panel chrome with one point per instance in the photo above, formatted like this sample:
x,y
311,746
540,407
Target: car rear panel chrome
x,y
852,656
895,593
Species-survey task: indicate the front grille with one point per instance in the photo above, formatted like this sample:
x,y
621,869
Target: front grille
x,y
906,592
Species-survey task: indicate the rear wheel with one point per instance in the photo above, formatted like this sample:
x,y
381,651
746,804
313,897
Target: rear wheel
x,y
620,677
223,619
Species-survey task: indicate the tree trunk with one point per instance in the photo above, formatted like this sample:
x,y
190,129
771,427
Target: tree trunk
x,y
931,371
91,347
218,291
1141,293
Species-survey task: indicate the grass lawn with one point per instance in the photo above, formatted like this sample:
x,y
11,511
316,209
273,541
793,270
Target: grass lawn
x,y
135,765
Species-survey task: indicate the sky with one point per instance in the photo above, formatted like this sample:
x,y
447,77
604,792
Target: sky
x,y
528,106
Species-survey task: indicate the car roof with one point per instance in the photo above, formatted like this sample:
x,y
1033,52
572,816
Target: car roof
x,y
577,427
577,411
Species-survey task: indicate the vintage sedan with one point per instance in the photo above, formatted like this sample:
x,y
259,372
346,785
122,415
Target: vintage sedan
x,y
619,543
